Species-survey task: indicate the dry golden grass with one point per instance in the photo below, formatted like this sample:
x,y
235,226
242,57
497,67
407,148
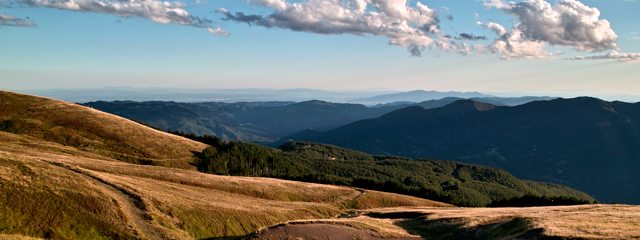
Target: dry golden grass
x,y
158,202
66,172
16,237
93,131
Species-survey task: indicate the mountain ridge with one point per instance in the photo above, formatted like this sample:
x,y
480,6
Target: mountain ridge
x,y
567,141
261,122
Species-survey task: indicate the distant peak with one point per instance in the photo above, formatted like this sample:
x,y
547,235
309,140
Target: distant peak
x,y
471,105
315,102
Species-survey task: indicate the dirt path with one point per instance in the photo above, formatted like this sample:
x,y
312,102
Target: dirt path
x,y
321,231
132,207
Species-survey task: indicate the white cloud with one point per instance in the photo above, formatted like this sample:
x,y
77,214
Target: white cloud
x,y
414,27
163,12
614,55
566,23
157,11
277,4
217,31
514,44
8,20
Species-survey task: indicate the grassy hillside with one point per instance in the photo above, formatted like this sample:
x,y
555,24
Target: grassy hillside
x,y
54,188
93,131
66,172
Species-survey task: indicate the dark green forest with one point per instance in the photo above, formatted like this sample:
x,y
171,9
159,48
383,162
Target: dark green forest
x,y
446,181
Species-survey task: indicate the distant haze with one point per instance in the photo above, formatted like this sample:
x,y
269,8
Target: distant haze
x,y
366,97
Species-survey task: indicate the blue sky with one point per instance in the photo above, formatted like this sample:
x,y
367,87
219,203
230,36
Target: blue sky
x,y
58,48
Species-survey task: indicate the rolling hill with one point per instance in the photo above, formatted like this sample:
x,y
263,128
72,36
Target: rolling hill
x,y
70,172
585,143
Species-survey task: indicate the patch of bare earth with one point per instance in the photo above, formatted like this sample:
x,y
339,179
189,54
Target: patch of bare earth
x,y
320,231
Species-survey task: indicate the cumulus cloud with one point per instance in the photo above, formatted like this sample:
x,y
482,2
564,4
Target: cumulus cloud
x,y
157,11
414,27
566,23
163,12
613,55
8,20
217,31
514,44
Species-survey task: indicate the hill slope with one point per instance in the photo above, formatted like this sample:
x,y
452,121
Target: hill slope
x,y
55,189
93,131
585,143
62,177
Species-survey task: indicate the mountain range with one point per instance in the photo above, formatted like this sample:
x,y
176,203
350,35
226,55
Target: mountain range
x,y
586,143
365,97
263,121
417,96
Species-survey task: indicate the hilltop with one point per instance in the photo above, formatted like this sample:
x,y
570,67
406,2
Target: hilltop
x,y
93,131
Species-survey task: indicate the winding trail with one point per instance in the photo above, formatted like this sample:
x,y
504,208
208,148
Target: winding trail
x,y
132,207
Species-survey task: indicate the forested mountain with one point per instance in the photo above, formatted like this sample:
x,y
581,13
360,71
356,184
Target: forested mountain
x,y
450,182
585,143
250,121
260,121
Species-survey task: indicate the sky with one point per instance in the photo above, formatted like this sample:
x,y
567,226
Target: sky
x,y
526,47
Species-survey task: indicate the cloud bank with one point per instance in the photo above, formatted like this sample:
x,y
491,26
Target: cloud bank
x,y
413,27
8,20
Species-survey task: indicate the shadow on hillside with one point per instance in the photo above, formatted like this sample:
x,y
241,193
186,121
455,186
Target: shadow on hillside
x,y
417,223
230,238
